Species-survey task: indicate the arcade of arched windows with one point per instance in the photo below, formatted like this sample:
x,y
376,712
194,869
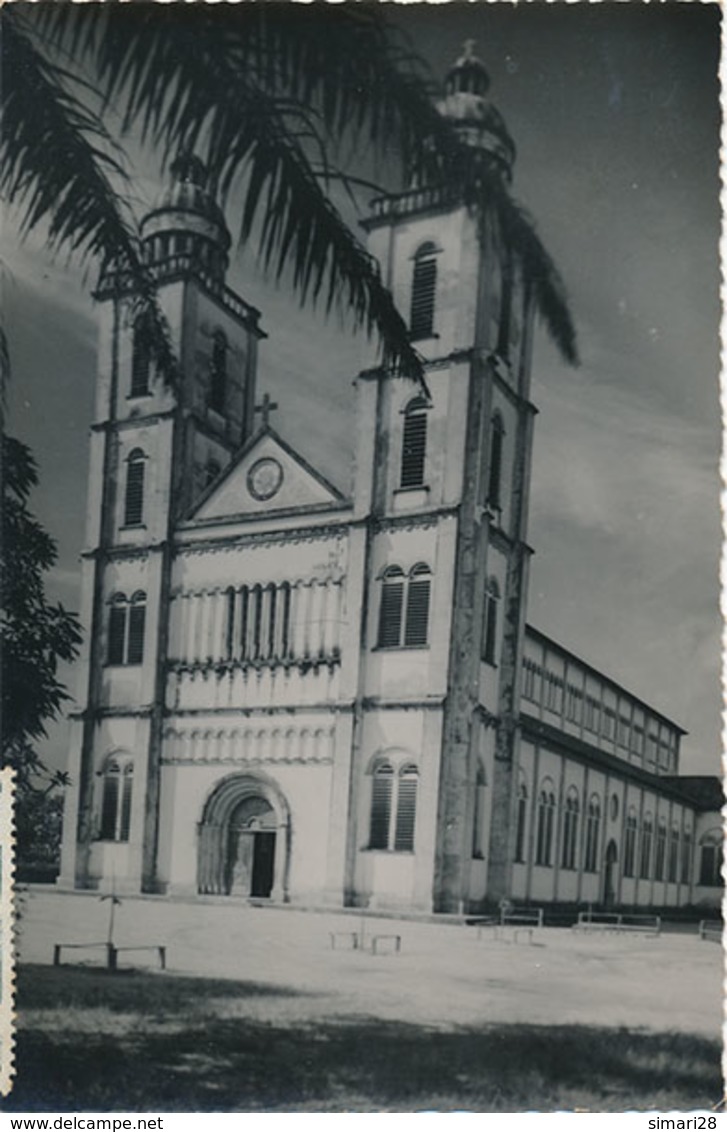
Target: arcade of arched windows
x,y
284,623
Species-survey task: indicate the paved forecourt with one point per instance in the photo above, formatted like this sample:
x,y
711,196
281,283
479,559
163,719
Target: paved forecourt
x,y
443,974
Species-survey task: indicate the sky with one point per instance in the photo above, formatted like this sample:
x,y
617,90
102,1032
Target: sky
x,y
614,109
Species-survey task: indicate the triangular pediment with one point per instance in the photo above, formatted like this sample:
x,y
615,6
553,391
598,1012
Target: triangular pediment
x,y
268,476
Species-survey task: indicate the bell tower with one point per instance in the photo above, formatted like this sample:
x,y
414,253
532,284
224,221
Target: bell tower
x,y
443,478
155,446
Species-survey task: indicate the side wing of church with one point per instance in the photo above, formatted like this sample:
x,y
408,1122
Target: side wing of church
x,y
292,695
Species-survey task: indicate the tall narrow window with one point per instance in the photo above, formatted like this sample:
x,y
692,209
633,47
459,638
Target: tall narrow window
x,y
686,869
140,358
406,809
478,817
381,791
660,856
257,620
271,596
423,292
117,630
414,443
710,859
593,827
391,608
647,836
494,477
218,373
544,838
489,628
116,799
134,501
630,843
570,830
522,813
285,638
416,629
137,619
230,623
673,867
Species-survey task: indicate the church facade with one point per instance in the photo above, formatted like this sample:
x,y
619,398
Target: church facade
x,y
291,694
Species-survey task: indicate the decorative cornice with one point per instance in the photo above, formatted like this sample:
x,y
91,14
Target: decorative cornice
x,y
133,422
380,703
413,521
294,536
293,761
263,713
270,516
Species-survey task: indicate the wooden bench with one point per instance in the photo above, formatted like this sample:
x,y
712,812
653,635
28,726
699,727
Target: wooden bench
x,y
352,936
646,924
112,952
386,940
711,930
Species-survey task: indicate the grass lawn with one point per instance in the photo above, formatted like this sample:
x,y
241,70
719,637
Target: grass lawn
x,y
141,1041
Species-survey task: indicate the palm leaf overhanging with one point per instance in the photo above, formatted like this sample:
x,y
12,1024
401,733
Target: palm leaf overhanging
x,y
272,94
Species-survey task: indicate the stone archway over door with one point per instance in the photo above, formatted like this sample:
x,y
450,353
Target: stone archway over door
x,y
243,847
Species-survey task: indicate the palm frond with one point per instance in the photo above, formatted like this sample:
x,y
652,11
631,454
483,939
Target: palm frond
x,y
58,163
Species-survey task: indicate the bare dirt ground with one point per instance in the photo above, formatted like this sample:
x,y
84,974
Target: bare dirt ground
x,y
444,976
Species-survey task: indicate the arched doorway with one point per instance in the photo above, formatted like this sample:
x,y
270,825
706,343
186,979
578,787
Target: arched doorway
x,y
609,874
243,839
251,848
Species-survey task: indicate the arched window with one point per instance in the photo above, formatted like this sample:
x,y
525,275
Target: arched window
x,y
673,867
660,855
593,828
414,443
134,501
686,870
416,629
406,809
521,825
404,608
140,357
544,836
478,817
630,842
126,629
489,627
381,791
710,859
423,292
494,475
218,373
116,799
393,807
647,836
570,830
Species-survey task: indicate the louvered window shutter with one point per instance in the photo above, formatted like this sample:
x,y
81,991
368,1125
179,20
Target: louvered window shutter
x,y
117,633
110,803
381,807
490,635
423,291
127,783
392,597
406,810
134,509
417,612
140,361
137,620
414,450
495,477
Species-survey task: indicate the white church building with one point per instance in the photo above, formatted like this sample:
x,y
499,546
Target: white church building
x,y
291,694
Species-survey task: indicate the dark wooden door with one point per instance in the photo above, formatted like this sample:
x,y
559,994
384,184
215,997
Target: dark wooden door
x,y
263,864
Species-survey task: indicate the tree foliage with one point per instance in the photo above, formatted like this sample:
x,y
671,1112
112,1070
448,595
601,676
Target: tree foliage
x,y
36,634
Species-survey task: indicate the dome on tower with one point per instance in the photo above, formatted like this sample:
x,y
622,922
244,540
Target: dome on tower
x,y
468,107
186,226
